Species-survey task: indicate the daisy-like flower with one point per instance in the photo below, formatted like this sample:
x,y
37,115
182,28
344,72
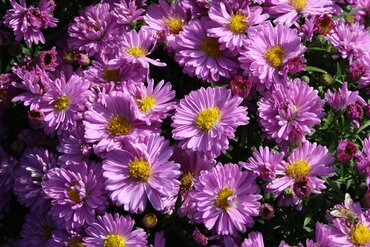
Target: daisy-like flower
x,y
107,125
206,119
154,102
167,19
226,199
140,172
363,163
323,236
264,163
351,40
231,26
94,30
77,194
289,108
255,239
201,55
127,11
360,70
34,164
63,102
114,230
26,22
268,53
288,11
299,176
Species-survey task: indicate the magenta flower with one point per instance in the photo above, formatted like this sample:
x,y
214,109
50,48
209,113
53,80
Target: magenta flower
x,y
288,12
289,108
363,163
63,103
140,172
47,60
340,99
268,52
255,239
324,24
346,151
127,12
299,176
114,230
355,113
324,236
34,164
232,26
77,194
26,22
226,199
201,55
359,70
206,119
240,86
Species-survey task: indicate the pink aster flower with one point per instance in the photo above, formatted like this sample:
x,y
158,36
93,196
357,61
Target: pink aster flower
x,y
94,30
232,26
226,199
47,60
342,98
360,70
290,108
363,163
167,19
77,194
240,86
140,173
255,239
268,53
324,236
34,164
201,55
114,230
346,151
127,11
299,176
288,11
351,40
26,22
112,122
63,102
206,119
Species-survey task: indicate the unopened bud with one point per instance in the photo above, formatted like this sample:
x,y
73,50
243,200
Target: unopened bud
x,y
150,220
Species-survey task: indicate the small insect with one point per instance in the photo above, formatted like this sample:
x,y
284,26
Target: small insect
x,y
345,213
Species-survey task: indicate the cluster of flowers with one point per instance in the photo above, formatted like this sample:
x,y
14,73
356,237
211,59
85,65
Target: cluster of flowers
x,y
93,98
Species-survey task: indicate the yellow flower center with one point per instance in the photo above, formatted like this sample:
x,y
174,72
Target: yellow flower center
x,y
298,4
119,125
140,170
74,195
75,243
360,235
186,181
207,118
210,47
147,103
237,23
111,74
114,240
274,56
222,198
175,25
137,52
62,103
297,170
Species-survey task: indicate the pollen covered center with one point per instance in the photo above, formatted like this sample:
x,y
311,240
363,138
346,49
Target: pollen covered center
x,y
111,74
137,52
274,56
238,23
210,47
175,25
297,170
74,195
114,240
360,235
207,118
147,103
298,4
186,181
119,125
222,200
140,170
62,103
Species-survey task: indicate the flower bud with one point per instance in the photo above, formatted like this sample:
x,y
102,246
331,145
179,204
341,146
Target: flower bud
x,y
267,211
150,220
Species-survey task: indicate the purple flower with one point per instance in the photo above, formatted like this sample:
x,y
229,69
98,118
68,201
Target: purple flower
x,y
34,164
288,108
63,103
255,239
206,119
296,64
114,230
226,199
355,113
324,236
140,172
199,238
47,60
267,211
363,163
159,240
324,24
346,151
27,22
76,193
268,52
340,99
201,55
127,11
240,86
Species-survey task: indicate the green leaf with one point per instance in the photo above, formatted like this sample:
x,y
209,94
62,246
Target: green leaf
x,y
314,69
345,14
316,49
307,220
